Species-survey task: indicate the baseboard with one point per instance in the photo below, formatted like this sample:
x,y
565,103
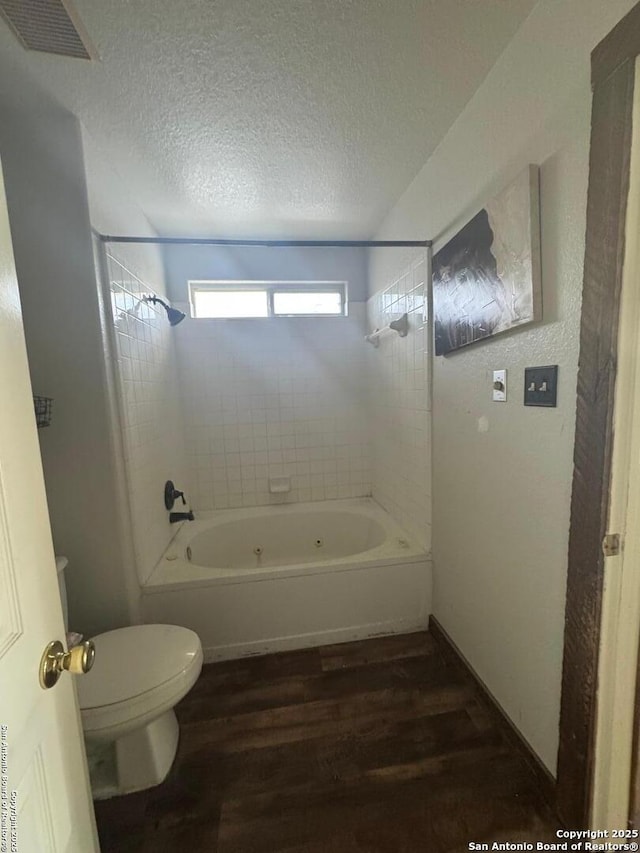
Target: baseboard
x,y
234,651
546,782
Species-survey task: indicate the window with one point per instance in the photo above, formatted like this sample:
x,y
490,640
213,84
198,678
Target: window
x,y
229,303
237,299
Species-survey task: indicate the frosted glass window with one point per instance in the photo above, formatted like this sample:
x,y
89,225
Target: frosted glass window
x,y
230,303
228,300
307,302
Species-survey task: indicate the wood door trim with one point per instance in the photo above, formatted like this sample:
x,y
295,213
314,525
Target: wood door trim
x,y
620,46
613,66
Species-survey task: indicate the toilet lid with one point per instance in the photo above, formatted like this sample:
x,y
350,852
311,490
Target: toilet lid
x,y
132,661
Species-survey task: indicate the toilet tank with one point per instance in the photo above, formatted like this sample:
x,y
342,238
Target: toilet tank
x,y
61,565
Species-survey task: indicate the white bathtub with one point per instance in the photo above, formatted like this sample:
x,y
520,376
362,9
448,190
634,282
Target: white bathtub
x,y
251,581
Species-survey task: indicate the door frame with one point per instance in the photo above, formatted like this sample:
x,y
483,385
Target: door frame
x,y
613,69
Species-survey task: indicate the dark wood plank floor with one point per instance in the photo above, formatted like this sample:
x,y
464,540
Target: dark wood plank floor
x,y
382,746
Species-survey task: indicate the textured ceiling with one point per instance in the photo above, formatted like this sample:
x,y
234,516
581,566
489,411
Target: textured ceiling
x,y
259,118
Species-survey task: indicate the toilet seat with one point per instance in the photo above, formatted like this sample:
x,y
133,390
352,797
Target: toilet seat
x,y
139,672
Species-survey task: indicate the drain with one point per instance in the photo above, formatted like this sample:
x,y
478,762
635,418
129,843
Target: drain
x,y
189,553
319,543
257,551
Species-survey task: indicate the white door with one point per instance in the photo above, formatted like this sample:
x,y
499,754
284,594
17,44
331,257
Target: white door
x,y
45,801
620,628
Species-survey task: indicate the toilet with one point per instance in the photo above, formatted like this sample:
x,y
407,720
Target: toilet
x,y
127,700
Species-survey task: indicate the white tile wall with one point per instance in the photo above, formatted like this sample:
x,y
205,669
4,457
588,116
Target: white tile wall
x,y
150,407
399,380
266,398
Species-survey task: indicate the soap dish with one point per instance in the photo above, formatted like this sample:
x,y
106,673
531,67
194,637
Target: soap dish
x,y
279,485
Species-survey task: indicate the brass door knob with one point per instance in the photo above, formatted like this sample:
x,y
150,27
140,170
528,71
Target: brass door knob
x,y
55,661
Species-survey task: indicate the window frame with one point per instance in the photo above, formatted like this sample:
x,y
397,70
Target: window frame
x,y
270,287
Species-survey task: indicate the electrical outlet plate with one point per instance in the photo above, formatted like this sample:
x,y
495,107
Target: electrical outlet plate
x,y
499,386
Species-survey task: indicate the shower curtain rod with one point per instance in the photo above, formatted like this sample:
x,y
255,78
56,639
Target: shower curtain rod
x,y
204,241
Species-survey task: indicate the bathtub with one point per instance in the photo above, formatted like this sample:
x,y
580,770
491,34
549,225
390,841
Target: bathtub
x,y
252,581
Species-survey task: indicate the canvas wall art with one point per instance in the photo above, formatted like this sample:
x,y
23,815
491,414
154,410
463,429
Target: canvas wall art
x,y
486,279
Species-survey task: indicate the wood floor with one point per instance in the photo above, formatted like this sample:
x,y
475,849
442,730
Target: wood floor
x,y
382,746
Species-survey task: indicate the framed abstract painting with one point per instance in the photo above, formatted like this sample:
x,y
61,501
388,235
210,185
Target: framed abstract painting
x,y
486,279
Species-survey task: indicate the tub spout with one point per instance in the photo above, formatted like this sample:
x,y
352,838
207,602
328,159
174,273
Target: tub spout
x,y
174,517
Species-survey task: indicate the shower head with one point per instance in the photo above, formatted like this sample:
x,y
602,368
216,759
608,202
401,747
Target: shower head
x,y
173,315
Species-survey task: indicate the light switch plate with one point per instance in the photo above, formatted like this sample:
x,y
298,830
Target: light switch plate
x,y
499,386
541,386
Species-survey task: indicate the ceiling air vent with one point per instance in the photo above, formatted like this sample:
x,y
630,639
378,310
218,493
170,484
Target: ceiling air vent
x,y
50,26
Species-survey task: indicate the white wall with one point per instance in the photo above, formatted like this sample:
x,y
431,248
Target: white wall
x,y
400,398
41,151
502,497
113,211
268,264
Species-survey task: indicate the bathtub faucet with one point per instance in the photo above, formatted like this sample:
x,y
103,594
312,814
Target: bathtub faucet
x,y
181,516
